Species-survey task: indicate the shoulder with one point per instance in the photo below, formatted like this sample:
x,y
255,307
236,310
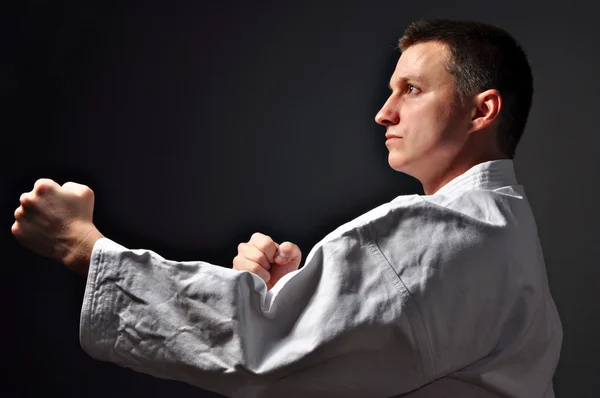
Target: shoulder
x,y
440,231
472,211
417,217
463,260
473,231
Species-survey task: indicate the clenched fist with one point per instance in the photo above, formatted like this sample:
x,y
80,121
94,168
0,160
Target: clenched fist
x,y
267,259
56,222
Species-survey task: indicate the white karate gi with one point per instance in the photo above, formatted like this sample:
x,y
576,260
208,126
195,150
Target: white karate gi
x,y
441,295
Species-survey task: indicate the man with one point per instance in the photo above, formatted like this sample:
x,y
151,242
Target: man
x,y
436,295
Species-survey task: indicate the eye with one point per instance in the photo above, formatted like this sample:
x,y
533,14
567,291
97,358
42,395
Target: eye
x,y
410,89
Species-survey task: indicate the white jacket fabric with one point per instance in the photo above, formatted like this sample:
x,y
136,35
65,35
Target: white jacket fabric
x,y
441,295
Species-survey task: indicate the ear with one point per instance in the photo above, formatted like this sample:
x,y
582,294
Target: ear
x,y
486,111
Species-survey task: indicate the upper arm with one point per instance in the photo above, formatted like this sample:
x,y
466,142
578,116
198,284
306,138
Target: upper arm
x,y
455,268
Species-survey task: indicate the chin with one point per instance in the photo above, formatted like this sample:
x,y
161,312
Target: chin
x,y
402,165
398,163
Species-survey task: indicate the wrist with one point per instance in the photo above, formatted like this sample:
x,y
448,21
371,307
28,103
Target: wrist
x,y
79,256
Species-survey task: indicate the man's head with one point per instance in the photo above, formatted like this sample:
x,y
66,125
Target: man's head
x,y
461,94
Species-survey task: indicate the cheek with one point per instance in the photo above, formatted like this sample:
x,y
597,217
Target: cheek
x,y
425,124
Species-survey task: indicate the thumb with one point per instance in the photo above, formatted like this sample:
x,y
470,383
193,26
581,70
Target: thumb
x,y
288,254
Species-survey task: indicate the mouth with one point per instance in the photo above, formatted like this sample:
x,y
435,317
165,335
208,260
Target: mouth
x,y
390,136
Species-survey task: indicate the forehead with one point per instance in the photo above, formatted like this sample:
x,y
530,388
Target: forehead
x,y
423,61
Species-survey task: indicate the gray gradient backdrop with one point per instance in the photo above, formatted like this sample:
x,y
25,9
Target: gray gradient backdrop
x,y
197,125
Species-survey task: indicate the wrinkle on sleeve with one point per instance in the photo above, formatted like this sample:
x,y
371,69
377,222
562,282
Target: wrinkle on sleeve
x,y
340,326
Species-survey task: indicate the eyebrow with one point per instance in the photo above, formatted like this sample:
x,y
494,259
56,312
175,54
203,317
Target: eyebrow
x,y
405,79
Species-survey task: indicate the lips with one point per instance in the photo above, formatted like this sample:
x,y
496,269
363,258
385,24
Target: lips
x,y
390,136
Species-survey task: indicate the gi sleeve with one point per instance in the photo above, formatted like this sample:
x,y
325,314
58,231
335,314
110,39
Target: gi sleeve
x,y
342,326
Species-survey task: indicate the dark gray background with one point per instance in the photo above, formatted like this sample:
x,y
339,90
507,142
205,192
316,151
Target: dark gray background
x,y
197,125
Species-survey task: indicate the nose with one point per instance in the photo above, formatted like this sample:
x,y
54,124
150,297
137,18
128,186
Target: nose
x,y
388,114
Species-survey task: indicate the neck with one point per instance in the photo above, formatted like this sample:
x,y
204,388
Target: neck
x,y
453,170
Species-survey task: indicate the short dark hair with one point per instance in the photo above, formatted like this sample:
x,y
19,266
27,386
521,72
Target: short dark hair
x,y
483,57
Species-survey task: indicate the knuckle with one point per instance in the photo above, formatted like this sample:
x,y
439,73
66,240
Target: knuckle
x,y
265,243
41,181
249,256
42,188
77,189
15,229
26,199
261,260
254,254
82,190
18,212
88,192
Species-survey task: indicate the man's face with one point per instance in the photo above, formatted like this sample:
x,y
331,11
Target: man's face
x,y
424,112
